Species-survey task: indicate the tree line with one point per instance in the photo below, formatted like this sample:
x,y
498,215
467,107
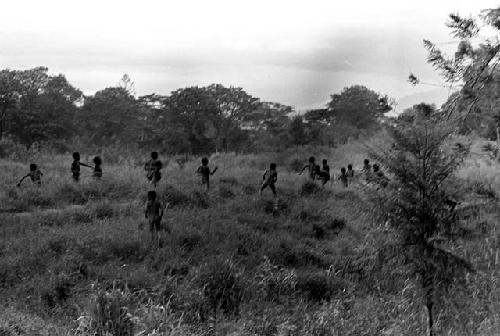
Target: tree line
x,y
37,107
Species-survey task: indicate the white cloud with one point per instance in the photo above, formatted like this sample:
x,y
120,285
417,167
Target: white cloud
x,y
294,51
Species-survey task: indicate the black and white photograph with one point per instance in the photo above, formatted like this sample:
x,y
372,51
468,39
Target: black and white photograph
x,y
249,168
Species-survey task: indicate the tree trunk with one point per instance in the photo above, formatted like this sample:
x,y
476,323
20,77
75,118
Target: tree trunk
x,y
498,142
430,317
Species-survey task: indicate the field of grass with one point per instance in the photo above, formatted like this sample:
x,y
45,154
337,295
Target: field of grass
x,y
76,259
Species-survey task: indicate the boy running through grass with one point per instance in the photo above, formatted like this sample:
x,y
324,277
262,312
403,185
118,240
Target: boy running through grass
x,y
204,172
154,214
322,175
35,175
75,166
269,179
343,178
367,169
97,167
311,167
379,177
153,168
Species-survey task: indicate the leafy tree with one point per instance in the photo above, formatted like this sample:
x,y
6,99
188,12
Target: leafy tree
x,y
297,131
37,106
236,108
196,113
357,106
9,96
416,205
473,68
111,115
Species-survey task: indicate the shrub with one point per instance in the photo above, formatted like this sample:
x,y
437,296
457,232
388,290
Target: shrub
x,y
309,188
249,190
296,165
225,192
57,291
319,285
273,282
336,224
109,314
103,210
222,285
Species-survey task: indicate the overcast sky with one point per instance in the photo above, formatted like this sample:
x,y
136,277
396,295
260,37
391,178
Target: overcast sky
x,y
293,52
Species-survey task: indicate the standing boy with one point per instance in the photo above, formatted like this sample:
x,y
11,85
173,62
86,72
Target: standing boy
x,y
75,166
269,179
205,172
343,177
154,214
97,167
153,168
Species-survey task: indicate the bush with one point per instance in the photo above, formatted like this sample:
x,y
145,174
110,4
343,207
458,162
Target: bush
x,y
296,165
309,188
222,285
103,210
108,313
319,285
273,282
226,192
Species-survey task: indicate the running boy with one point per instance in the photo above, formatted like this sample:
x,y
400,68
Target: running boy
x,y
97,167
322,175
205,172
153,168
35,175
343,177
367,169
269,179
154,214
75,166
311,167
350,172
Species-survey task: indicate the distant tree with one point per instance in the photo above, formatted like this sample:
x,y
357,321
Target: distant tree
x,y
111,116
236,108
357,106
416,205
297,131
10,92
196,113
36,106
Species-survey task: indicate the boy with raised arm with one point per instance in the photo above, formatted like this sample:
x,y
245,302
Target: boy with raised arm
x,y
311,167
35,175
75,166
204,172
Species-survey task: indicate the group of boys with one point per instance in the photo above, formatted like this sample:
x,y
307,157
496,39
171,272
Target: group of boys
x,y
154,208
36,175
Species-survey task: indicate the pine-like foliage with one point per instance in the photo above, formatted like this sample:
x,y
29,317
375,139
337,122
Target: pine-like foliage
x,y
417,205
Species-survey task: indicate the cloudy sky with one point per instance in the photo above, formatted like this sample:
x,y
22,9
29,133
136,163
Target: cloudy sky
x,y
293,52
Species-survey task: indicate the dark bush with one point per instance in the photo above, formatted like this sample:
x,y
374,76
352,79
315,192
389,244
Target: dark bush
x,y
249,190
336,224
175,197
226,192
222,285
108,310
296,165
319,286
309,188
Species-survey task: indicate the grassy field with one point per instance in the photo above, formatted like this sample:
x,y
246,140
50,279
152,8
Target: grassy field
x,y
74,258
